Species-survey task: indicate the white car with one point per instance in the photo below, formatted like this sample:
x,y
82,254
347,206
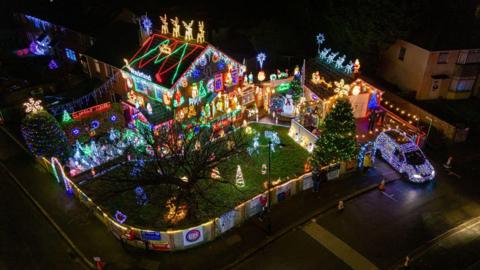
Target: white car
x,y
403,155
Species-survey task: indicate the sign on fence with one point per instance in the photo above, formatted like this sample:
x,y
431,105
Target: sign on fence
x,y
193,236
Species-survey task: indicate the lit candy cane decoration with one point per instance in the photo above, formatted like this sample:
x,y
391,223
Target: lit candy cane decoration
x,y
261,58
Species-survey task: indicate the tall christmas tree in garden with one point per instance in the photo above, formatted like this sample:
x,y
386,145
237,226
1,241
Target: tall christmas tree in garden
x,y
337,140
42,133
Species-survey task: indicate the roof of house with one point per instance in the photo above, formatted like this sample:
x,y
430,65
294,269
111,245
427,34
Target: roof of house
x,y
165,68
116,42
86,18
328,73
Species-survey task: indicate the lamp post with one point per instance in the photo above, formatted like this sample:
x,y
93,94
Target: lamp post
x,y
429,127
269,180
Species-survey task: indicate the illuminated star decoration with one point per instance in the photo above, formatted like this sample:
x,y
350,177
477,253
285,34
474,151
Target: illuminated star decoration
x,y
33,106
320,38
341,88
261,58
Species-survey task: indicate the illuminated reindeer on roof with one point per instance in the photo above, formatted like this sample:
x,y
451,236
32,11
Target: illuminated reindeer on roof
x,y
201,32
164,24
176,27
188,30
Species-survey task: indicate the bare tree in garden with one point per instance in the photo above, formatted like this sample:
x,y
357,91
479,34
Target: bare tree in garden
x,y
181,164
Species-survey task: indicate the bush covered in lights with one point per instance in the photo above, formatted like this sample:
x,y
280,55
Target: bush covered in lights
x,y
337,140
43,135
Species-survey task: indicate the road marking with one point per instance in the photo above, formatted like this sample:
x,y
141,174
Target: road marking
x,y
341,249
390,196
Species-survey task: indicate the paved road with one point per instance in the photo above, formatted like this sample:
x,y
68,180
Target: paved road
x,y
27,240
375,230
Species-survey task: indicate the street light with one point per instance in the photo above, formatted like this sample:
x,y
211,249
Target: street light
x,y
429,127
269,185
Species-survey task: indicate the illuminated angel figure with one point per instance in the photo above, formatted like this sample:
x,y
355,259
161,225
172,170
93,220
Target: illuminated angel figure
x,y
324,53
33,106
176,27
320,39
201,32
188,30
164,20
261,58
331,57
341,88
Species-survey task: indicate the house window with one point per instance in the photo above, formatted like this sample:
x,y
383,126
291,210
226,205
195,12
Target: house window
x,y
462,85
71,55
442,58
97,66
401,53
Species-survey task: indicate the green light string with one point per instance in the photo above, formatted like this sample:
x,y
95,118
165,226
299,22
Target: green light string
x,y
149,52
174,52
179,63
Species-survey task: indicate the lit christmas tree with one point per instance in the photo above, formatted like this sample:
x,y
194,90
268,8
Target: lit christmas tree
x,y
337,142
42,132
239,181
66,118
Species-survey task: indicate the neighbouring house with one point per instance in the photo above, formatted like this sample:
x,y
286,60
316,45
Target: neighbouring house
x,y
64,36
432,69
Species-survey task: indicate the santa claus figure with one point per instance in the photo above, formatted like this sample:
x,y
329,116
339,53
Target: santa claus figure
x,y
288,107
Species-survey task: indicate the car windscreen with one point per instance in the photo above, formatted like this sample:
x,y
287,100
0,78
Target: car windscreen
x,y
415,157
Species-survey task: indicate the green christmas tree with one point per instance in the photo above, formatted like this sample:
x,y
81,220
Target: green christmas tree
x,y
66,118
296,90
43,134
337,141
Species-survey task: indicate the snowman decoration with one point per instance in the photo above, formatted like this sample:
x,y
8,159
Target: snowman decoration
x,y
288,107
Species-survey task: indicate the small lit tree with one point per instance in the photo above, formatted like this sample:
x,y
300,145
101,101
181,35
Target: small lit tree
x,y
337,141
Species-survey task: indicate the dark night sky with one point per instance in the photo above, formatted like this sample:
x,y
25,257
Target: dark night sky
x,y
355,27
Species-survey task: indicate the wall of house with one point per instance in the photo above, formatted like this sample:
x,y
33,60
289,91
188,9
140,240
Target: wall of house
x,y
103,72
407,74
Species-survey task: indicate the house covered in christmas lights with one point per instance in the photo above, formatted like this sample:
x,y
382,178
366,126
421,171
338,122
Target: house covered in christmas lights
x,y
179,79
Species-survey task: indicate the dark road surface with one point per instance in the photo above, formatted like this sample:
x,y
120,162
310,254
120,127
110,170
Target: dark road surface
x,y
27,240
380,227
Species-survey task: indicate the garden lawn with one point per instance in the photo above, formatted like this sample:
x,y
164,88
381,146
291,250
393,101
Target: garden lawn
x,y
287,162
